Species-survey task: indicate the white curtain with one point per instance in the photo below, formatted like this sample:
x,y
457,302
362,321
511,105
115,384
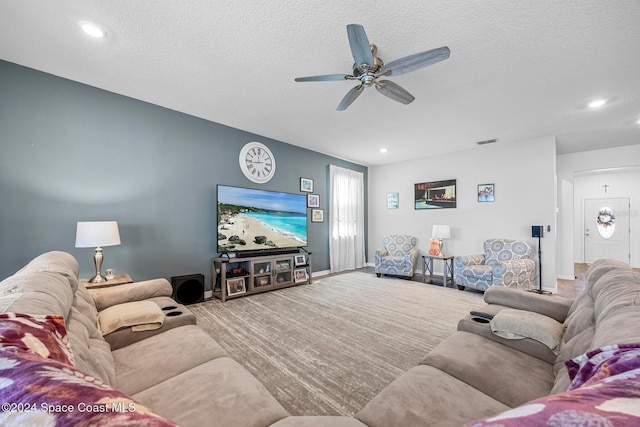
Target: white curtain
x,y
346,219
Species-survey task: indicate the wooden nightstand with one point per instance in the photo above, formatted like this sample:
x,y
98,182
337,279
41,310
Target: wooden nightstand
x,y
119,279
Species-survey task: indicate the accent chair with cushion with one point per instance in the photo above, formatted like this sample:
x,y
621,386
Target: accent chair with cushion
x,y
398,256
505,262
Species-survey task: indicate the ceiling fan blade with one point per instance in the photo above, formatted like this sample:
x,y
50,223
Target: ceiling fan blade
x,y
324,78
359,43
417,61
395,92
351,96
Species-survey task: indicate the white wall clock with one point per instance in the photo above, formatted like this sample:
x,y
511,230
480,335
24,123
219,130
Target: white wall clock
x,y
257,162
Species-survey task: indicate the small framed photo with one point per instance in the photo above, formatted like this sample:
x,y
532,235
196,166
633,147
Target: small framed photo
x,y
300,260
300,275
306,185
486,193
262,281
236,286
393,200
317,215
313,201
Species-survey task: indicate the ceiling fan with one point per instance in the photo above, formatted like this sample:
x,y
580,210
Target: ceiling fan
x,y
368,68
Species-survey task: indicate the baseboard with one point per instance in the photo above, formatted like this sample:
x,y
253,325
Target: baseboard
x,y
566,277
208,294
320,273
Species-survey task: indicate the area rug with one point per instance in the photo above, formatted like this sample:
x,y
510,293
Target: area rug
x,y
330,347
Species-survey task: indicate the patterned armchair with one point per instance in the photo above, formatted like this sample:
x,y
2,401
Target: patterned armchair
x,y
504,263
398,256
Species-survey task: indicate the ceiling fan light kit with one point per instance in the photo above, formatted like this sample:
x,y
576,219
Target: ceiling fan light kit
x,y
368,68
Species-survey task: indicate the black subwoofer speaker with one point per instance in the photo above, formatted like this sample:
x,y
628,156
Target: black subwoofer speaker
x,y
537,231
188,289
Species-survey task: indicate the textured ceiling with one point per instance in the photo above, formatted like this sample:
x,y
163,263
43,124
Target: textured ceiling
x,y
518,69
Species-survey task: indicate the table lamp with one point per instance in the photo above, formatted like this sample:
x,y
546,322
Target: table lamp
x,y
440,232
91,234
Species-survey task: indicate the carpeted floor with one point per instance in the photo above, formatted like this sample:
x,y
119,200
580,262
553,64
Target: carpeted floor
x,y
329,347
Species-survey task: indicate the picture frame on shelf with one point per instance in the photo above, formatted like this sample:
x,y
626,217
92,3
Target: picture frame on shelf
x,y
262,281
317,215
300,275
313,201
236,286
393,200
306,185
435,195
300,260
486,193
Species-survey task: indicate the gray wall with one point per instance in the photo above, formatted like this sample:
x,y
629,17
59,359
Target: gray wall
x,y
71,152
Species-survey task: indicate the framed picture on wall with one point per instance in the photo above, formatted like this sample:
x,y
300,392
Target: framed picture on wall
x,y
486,193
317,215
393,200
313,201
306,185
435,194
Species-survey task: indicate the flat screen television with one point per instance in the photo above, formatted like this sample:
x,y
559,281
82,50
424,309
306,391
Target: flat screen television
x,y
251,220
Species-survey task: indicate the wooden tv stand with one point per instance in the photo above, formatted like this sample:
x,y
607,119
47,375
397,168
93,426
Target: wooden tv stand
x,y
233,277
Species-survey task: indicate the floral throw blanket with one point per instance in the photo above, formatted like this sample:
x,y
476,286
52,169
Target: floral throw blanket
x,y
604,392
40,386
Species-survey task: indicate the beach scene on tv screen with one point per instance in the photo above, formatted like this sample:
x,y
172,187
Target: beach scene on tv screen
x,y
250,219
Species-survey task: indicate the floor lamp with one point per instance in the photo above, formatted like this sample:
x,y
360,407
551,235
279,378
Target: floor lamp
x,y
538,231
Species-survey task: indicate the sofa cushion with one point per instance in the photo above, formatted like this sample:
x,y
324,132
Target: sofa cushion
x,y
426,396
39,292
603,363
146,363
553,306
46,392
492,368
42,335
138,291
518,324
234,396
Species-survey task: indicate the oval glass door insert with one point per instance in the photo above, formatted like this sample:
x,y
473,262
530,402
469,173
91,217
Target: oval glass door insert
x,y
606,222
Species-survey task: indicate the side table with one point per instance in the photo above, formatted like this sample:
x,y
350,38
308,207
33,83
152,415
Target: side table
x,y
119,279
427,266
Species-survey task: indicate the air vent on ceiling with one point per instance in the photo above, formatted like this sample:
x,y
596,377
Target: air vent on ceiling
x,y
488,141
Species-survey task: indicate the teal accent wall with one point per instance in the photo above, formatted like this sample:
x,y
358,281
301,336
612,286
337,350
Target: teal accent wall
x,y
71,152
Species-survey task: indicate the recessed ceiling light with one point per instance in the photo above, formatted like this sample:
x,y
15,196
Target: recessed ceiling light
x,y
597,103
92,30
383,150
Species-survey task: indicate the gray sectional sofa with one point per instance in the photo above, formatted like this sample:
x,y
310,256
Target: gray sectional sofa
x,y
180,373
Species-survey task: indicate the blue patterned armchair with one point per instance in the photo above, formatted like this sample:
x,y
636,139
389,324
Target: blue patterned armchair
x,y
504,263
398,256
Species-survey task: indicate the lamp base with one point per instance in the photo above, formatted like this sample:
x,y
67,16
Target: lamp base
x,y
97,279
97,260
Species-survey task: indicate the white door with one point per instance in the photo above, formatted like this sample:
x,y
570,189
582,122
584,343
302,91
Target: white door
x,y
606,229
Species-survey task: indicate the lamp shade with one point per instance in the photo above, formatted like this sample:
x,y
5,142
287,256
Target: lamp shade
x,y
440,231
91,234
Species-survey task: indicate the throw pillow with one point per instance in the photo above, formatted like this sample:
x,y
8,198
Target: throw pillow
x,y
42,335
519,324
605,393
603,363
141,315
39,391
